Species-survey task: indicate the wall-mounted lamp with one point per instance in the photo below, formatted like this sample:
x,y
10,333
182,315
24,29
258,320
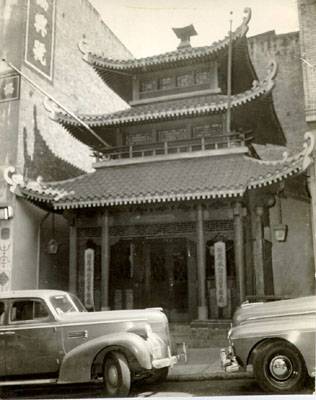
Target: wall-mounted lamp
x,y
280,230
52,247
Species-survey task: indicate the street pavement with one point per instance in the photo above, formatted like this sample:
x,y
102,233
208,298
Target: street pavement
x,y
203,364
200,376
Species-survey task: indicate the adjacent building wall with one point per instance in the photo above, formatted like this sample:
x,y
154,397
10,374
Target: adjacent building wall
x,y
288,94
30,141
293,259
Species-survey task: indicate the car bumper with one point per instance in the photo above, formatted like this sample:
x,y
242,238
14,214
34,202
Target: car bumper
x,y
229,361
171,360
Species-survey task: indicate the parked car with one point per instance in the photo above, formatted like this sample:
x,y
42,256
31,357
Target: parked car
x,y
277,339
48,336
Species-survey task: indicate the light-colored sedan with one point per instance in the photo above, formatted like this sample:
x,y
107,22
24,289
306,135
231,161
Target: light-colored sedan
x,y
277,339
49,337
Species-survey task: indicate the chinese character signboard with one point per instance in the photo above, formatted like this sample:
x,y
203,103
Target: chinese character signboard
x,y
9,88
40,32
220,274
5,256
88,278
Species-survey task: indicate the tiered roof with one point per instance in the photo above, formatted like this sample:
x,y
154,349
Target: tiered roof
x,y
118,73
190,106
173,180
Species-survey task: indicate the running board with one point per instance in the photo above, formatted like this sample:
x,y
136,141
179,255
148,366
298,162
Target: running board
x,y
28,382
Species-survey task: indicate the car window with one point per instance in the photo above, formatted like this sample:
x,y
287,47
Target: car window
x,y
65,303
2,313
28,310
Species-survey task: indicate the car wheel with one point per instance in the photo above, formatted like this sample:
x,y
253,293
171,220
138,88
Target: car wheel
x,y
158,376
117,375
279,367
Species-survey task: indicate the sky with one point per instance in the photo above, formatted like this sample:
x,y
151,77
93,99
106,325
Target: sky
x,y
145,26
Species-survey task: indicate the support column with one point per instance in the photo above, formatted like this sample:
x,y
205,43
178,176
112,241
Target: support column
x,y
105,261
239,251
147,272
258,252
201,265
72,283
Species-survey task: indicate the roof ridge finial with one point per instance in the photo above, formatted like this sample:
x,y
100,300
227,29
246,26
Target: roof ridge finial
x,y
184,34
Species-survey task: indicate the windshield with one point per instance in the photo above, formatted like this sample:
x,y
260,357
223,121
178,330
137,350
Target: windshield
x,y
66,303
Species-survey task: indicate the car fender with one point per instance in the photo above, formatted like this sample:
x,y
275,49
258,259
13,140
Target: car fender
x,y
76,365
246,339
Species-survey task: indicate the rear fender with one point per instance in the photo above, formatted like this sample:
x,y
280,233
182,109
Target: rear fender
x,y
77,364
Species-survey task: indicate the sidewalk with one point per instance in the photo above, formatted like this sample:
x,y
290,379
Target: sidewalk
x,y
203,364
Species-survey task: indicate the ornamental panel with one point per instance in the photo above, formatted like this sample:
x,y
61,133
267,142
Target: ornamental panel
x,y
173,134
40,36
185,80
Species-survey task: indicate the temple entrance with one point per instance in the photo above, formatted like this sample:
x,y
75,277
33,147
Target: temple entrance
x,y
168,287
150,273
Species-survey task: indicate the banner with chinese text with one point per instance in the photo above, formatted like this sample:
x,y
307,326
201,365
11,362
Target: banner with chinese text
x,y
89,279
5,256
9,88
220,274
40,32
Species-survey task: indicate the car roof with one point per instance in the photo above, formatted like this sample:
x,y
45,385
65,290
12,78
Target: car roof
x,y
42,293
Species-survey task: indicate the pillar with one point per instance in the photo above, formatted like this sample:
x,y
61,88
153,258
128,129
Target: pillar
x,y
258,251
239,251
72,258
201,265
105,261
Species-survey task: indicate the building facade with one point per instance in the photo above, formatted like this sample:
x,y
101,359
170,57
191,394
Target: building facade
x,y
190,204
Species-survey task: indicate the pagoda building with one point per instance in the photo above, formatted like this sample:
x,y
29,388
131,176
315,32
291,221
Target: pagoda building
x,y
177,211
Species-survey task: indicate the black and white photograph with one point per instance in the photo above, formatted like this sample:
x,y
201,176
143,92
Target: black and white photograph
x,y
157,198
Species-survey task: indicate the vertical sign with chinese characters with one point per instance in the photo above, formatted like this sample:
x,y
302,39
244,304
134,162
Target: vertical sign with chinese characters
x,y
89,279
9,88
5,256
40,33
220,274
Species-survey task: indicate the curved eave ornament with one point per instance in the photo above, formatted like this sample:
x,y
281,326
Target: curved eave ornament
x,y
302,161
120,65
32,189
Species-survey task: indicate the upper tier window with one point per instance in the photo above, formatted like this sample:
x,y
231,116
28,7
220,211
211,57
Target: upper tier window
x,y
180,81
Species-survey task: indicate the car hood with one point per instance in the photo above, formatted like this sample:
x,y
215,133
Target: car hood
x,y
275,309
146,315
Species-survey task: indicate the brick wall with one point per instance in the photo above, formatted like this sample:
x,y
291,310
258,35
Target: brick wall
x,y
74,84
288,93
307,18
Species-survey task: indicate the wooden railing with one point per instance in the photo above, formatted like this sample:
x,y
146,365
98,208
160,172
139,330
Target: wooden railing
x,y
172,147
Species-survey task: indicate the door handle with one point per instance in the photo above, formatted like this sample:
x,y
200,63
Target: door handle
x,y
7,333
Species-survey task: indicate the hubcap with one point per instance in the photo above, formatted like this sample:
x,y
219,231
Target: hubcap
x,y
112,376
281,367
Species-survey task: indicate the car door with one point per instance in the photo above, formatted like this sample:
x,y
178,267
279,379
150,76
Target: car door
x,y
31,339
2,337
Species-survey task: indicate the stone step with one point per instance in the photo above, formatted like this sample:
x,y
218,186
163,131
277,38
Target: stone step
x,y
200,334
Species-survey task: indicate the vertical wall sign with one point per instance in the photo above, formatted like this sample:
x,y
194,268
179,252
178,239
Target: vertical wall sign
x,y
40,33
9,88
89,278
5,256
220,274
